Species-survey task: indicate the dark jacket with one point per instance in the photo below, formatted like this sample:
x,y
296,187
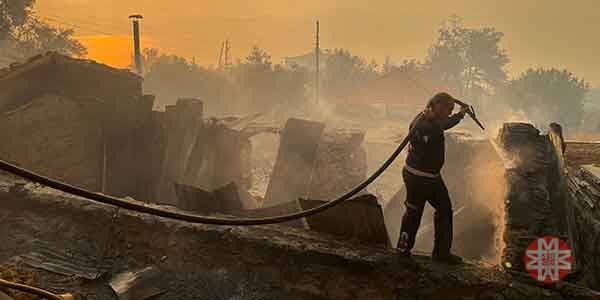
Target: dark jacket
x,y
426,150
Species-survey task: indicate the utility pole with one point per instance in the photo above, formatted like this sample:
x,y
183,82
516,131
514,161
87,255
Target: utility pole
x,y
227,47
136,43
317,52
227,62
220,64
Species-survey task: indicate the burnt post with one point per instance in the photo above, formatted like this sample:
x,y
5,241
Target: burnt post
x,y
136,43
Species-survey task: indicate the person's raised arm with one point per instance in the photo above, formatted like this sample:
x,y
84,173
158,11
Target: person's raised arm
x,y
454,119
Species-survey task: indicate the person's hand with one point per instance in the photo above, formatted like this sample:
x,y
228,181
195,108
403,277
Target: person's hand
x,y
464,109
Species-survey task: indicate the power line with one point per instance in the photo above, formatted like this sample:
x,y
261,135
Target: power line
x,y
93,25
166,43
148,29
97,21
77,26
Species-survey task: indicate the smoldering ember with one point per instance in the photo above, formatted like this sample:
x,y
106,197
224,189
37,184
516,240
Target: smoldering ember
x,y
324,176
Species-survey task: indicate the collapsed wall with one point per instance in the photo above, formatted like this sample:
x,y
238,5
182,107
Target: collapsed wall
x,y
56,136
84,118
340,166
89,125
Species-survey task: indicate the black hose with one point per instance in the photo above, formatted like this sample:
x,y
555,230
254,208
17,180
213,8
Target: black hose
x,y
29,289
64,187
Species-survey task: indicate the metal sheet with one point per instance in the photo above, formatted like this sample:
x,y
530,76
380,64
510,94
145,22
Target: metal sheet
x,y
138,284
66,262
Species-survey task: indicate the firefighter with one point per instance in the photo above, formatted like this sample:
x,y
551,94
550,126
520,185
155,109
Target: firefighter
x,y
422,178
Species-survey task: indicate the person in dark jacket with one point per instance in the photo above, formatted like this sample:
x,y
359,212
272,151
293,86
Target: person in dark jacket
x,y
422,178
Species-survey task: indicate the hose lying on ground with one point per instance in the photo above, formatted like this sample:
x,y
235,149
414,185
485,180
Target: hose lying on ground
x,y
64,187
29,289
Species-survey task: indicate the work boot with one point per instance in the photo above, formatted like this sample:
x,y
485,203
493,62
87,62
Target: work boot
x,y
448,259
404,253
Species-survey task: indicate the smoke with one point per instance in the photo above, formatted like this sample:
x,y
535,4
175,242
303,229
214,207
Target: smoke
x,y
488,188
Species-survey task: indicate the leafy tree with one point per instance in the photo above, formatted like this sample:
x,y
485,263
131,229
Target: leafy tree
x,y
469,59
13,14
345,71
259,59
22,34
36,37
548,95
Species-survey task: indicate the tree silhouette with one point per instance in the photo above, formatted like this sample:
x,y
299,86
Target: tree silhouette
x,y
548,95
345,71
468,59
13,13
22,34
262,86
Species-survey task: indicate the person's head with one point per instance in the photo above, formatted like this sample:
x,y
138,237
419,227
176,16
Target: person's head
x,y
441,105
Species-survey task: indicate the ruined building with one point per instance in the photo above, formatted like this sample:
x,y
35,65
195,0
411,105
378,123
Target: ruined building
x,y
90,125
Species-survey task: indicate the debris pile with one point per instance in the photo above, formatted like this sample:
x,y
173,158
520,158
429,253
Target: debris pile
x,y
580,153
584,190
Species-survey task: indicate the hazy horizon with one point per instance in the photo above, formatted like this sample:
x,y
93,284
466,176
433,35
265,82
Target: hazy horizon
x,y
548,35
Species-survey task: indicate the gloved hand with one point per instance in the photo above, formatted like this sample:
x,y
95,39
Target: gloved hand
x,y
464,109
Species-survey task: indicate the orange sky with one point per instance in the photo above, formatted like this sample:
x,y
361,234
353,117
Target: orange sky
x,y
112,50
546,33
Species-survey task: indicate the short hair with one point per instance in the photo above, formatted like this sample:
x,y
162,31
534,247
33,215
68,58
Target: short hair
x,y
439,98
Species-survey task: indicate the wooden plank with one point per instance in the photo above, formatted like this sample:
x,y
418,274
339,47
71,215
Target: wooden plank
x,y
225,199
167,128
194,199
220,156
144,143
360,218
183,125
295,162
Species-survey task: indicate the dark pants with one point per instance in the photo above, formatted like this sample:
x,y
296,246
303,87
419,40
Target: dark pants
x,y
418,191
